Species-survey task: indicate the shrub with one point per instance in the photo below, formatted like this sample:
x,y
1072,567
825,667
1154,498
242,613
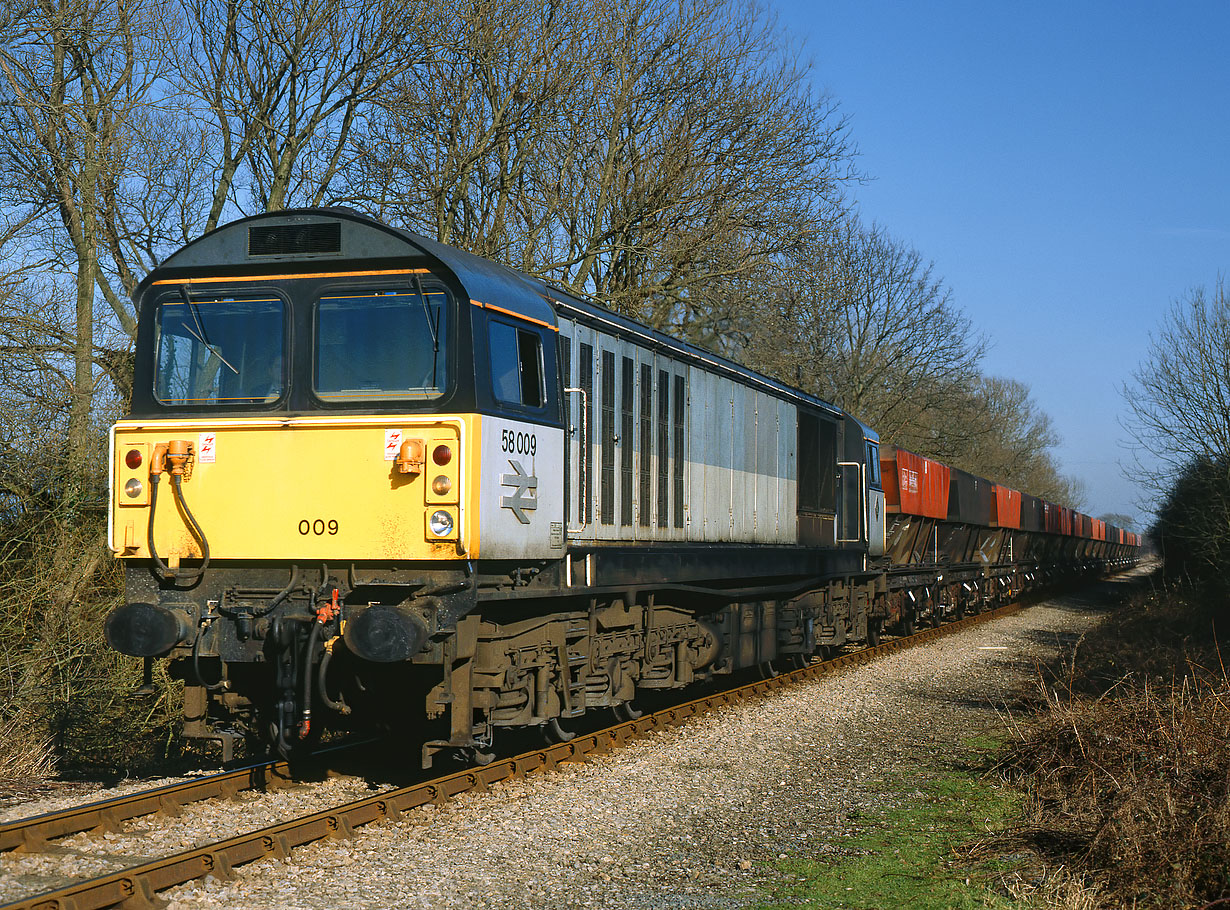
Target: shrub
x,y
1127,770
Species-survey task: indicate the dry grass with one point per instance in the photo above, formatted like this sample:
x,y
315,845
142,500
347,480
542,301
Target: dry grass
x,y
1127,767
64,705
27,750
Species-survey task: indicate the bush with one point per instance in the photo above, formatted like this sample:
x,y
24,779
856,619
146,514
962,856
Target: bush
x,y
1193,526
64,703
1127,770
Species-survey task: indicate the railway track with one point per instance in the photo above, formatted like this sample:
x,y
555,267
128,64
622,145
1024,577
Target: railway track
x,y
138,885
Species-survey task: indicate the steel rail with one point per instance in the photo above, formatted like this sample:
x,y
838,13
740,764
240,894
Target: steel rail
x,y
137,887
32,835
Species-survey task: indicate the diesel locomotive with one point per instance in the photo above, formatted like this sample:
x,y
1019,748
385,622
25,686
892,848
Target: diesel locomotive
x,y
369,479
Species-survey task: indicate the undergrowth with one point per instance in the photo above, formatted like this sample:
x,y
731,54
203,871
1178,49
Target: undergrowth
x,y
1126,769
65,705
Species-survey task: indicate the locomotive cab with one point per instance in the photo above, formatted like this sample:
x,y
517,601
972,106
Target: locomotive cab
x,y
300,402
860,491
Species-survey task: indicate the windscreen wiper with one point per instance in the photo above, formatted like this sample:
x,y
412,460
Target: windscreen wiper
x,y
433,328
202,338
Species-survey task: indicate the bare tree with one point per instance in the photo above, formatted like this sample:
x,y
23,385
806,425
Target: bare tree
x,y
76,78
280,86
1118,519
697,157
653,155
1179,420
458,150
863,321
1007,438
1179,397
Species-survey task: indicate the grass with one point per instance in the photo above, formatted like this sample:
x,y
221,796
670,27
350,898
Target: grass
x,y
910,854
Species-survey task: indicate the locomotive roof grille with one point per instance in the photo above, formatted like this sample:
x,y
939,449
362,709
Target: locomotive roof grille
x,y
315,238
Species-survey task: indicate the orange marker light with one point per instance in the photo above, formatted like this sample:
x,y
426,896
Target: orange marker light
x,y
410,457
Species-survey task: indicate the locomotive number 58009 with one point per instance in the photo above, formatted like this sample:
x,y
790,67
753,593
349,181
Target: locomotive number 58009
x,y
518,443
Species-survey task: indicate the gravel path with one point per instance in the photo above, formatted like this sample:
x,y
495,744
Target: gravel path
x,y
683,819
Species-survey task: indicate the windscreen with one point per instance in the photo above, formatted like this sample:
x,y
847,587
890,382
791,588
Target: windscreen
x,y
381,344
219,350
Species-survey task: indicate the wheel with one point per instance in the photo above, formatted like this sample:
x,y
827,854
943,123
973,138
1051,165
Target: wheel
x,y
478,756
767,670
554,733
874,627
626,711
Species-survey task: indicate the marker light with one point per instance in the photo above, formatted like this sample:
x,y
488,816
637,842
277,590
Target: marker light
x,y
133,459
442,455
441,485
133,488
441,523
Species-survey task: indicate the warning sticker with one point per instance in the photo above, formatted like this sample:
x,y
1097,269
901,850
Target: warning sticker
x,y
207,448
392,444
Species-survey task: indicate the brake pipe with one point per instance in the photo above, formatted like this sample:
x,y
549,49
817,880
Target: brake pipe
x,y
177,452
324,615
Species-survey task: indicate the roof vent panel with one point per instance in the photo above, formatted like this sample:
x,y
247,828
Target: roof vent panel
x,y
314,239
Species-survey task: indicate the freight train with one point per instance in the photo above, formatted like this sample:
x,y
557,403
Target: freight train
x,y
369,479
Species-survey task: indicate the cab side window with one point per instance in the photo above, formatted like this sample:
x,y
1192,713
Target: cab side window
x,y
516,365
873,465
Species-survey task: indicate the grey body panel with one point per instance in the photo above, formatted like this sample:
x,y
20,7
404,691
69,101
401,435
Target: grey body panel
x,y
737,472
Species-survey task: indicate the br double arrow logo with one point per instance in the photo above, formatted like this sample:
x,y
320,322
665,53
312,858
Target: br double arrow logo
x,y
525,496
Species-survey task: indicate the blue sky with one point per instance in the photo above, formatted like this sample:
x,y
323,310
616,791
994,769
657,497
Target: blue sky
x,y
1066,166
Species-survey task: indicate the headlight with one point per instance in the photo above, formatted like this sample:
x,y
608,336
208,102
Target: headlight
x,y
441,523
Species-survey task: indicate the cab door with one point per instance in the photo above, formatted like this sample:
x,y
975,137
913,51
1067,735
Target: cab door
x,y
875,502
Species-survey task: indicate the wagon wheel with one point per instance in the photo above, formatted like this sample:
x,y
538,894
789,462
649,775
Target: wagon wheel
x,y
478,756
626,711
874,627
799,661
767,670
555,733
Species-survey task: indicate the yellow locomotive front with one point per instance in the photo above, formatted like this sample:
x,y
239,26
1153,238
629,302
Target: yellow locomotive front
x,y
300,488
302,466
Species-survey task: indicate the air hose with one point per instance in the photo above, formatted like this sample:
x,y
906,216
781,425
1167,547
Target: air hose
x,y
324,615
196,656
322,687
164,571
